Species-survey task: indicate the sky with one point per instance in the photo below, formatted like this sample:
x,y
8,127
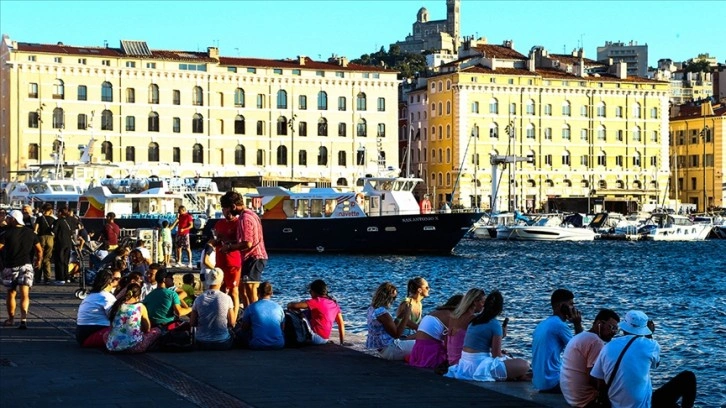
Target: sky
x,y
278,29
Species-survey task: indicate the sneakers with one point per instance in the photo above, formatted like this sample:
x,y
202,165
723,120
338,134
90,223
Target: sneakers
x,y
23,325
60,282
177,265
191,266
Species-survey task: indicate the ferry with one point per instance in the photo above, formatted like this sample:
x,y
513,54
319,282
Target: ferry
x,y
383,218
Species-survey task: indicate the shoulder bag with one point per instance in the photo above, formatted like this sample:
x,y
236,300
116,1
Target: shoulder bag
x,y
602,400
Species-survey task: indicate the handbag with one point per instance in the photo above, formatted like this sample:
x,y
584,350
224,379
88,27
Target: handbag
x,y
602,400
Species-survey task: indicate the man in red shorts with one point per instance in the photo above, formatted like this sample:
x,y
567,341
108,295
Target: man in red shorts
x,y
183,223
230,262
250,242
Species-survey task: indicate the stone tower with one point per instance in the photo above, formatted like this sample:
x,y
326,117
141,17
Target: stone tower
x,y
453,18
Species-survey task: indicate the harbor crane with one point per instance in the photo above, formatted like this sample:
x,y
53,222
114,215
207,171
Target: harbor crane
x,y
495,161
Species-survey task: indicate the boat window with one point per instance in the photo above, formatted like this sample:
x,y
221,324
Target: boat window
x,y
287,208
330,207
316,207
409,186
397,186
387,186
302,208
73,205
69,188
84,208
374,205
57,188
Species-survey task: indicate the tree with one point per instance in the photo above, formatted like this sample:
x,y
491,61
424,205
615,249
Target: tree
x,y
407,64
697,66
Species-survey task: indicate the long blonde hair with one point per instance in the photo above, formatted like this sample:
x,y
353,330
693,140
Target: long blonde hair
x,y
384,295
469,298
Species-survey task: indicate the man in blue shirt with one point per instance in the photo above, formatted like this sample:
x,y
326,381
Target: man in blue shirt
x,y
549,340
264,320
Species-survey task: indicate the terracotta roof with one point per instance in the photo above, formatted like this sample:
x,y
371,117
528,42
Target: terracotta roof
x,y
478,69
571,60
295,64
694,111
498,51
64,49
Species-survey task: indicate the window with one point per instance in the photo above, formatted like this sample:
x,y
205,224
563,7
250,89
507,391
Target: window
x,y
130,95
530,107
654,136
320,73
281,156
302,128
151,65
260,155
250,70
31,58
584,161
475,107
654,160
106,63
130,64
281,126
583,134
566,108
153,153
654,113
322,100
302,102
548,159
239,155
176,154
583,111
636,159
565,132
619,161
692,160
130,123
360,101
197,124
33,90
341,103
618,111
57,59
636,134
322,156
601,133
441,110
176,125
342,158
361,128
34,119
493,106
513,108
277,71
548,109
381,104
153,125
239,125
130,153
636,110
260,128
493,131
239,98
620,135
197,153
192,67
107,151
342,131
33,151
602,159
59,121
106,92
707,160
302,157
154,94
360,157
530,131
601,109
260,101
281,99
106,120
296,72
322,127
176,97
694,184
197,96
59,90
565,158
382,130
548,134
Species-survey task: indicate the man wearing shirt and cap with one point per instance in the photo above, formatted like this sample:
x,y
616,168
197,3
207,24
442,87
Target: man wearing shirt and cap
x,y
631,385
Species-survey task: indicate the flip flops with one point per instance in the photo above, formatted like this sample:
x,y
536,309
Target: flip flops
x,y
8,323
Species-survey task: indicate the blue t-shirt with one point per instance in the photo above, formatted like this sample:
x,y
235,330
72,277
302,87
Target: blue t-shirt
x,y
479,337
265,318
548,342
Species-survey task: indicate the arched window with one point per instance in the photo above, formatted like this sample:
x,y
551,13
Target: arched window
x,y
494,131
130,95
322,100
197,153
260,157
565,158
636,134
342,159
153,122
601,133
361,128
493,106
636,110
107,151
197,96
448,155
601,109
260,128
197,124
322,127
636,159
302,157
360,101
322,156
619,184
566,132
106,120
282,125
602,158
154,94
281,99
602,184
448,107
360,157
106,92
530,107
475,107
530,131
153,152
342,131
281,156
566,108
59,90
59,121
239,125
239,155
130,153
341,182
239,98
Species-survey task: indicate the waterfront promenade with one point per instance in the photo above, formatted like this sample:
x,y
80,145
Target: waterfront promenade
x,y
43,366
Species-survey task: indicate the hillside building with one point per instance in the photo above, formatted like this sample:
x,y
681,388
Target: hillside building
x,y
636,56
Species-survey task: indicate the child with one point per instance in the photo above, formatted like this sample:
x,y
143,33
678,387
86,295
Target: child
x,y
166,242
208,258
186,291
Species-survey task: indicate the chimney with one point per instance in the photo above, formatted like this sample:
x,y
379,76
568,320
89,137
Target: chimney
x,y
301,59
343,62
531,62
213,52
621,70
508,44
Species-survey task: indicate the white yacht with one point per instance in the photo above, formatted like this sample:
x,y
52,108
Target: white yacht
x,y
545,228
673,227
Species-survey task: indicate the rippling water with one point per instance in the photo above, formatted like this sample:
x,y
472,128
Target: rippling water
x,y
681,286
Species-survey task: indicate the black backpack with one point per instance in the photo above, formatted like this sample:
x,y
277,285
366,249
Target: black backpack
x,y
297,329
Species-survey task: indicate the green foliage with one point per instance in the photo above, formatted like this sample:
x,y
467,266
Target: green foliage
x,y
407,64
697,66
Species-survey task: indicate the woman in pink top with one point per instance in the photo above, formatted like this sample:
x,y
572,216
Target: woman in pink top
x,y
324,310
470,306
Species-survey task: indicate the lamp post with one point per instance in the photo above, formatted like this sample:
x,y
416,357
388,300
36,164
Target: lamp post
x,y
39,111
291,125
704,133
475,135
511,131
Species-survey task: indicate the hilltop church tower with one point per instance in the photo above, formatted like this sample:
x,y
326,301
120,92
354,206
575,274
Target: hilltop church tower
x,y
453,20
434,35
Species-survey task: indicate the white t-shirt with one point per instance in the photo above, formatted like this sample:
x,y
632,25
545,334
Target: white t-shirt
x,y
94,309
578,358
212,307
631,386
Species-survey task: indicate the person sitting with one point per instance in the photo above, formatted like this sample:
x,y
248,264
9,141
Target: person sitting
x,y
187,291
165,307
145,253
482,358
429,349
417,290
578,387
383,331
131,330
92,322
324,310
117,258
149,280
213,315
470,306
137,262
133,277
263,322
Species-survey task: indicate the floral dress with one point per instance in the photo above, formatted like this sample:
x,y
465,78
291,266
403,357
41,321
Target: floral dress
x,y
126,328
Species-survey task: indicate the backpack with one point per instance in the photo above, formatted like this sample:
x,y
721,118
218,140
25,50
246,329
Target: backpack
x,y
297,329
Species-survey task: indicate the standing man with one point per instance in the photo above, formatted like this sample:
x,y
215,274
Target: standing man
x,y
578,387
184,223
111,232
44,229
18,246
28,216
549,340
250,242
230,262
63,232
631,385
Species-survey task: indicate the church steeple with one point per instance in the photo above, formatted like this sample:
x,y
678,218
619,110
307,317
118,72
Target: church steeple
x,y
453,19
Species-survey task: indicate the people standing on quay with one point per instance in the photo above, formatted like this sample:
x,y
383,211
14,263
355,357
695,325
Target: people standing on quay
x,y
230,262
578,387
429,349
28,218
111,232
18,246
324,310
549,340
417,290
44,229
184,223
383,331
629,383
166,242
64,231
250,241
471,305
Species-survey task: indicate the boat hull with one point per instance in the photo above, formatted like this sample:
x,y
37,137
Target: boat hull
x,y
544,233
695,232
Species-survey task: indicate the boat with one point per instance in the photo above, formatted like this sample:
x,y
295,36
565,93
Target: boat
x,y
614,226
673,227
486,226
544,227
383,218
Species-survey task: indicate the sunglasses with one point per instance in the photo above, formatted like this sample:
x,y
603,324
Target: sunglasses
x,y
116,278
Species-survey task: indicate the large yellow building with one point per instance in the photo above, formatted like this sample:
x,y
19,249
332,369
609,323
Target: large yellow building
x,y
698,148
593,134
179,113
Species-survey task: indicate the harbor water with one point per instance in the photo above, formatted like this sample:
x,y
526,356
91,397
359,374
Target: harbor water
x,y
680,285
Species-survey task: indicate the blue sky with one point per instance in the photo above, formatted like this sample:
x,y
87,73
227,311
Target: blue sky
x,y
678,30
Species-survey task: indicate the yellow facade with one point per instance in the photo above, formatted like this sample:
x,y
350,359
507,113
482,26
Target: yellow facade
x,y
183,114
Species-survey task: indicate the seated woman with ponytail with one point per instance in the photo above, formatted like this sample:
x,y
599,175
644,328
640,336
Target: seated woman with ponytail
x,y
131,330
482,358
429,350
93,313
324,310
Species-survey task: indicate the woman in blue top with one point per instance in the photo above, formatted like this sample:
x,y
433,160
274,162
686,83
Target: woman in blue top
x,y
482,358
383,331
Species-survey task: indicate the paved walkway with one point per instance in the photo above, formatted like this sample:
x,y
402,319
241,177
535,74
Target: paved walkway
x,y
43,365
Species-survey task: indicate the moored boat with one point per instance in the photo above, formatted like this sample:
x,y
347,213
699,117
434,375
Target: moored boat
x,y
673,227
547,227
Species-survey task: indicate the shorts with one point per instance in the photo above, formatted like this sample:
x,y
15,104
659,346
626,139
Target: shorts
x,y
182,241
232,276
166,248
252,269
18,275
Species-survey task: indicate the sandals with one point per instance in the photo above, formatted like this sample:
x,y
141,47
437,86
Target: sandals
x,y
23,325
8,323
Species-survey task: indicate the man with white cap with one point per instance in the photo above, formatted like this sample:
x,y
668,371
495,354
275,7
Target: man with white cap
x,y
629,381
21,249
213,314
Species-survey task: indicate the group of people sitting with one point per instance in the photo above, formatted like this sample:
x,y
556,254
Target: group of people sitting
x,y
462,339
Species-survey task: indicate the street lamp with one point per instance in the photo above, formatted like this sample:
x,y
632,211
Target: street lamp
x,y
704,133
475,135
511,131
291,125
